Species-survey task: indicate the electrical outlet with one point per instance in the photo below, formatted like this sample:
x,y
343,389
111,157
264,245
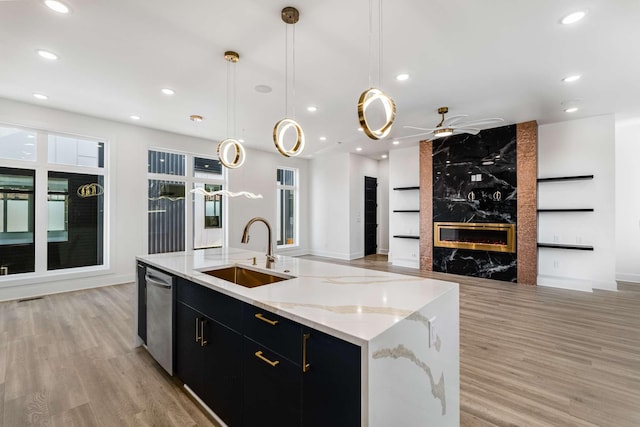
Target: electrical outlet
x,y
432,331
556,264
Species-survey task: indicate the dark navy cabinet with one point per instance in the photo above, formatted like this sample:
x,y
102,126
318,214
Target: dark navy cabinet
x,y
142,301
253,367
208,353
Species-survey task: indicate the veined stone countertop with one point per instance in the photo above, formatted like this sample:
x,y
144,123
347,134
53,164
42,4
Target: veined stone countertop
x,y
351,303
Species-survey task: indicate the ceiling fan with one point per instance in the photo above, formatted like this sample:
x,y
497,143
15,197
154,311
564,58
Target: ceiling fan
x,y
453,125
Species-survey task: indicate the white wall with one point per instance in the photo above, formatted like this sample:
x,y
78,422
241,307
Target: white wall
x,y
127,147
628,200
329,216
577,147
258,176
383,206
404,171
359,167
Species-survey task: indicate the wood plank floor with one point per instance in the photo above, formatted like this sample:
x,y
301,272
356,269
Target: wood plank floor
x,y
529,356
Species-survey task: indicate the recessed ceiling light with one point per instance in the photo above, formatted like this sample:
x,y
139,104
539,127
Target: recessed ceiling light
x,y
57,6
323,138
571,109
134,117
241,140
573,78
402,77
40,96
360,129
359,149
312,109
47,55
384,156
263,88
396,142
168,91
574,17
196,118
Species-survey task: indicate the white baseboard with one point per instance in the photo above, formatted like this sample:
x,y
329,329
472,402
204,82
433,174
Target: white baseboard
x,y
409,263
329,254
383,251
576,284
628,277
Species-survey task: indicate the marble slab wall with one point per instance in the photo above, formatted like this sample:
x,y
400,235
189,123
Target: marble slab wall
x,y
475,180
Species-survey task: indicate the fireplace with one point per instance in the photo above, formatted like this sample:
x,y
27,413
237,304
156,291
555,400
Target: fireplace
x,y
477,236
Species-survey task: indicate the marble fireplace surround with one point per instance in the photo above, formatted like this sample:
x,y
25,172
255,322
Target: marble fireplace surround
x,y
526,226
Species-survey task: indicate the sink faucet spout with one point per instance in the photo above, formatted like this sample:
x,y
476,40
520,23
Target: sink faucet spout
x,y
245,238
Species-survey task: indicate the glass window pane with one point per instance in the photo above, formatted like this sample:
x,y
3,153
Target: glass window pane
x,y
17,144
206,168
75,236
286,211
67,150
17,249
286,176
166,163
166,216
208,228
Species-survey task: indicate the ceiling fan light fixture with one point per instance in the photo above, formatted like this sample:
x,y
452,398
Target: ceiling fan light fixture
x,y
441,133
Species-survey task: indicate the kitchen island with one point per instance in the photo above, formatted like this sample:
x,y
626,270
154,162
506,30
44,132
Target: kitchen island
x,y
391,339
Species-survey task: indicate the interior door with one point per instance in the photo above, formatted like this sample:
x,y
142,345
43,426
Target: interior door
x,y
370,215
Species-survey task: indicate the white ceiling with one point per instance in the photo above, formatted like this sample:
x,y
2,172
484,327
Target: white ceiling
x,y
502,58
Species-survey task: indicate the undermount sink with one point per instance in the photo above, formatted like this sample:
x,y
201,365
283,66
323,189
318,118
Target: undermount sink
x,y
245,277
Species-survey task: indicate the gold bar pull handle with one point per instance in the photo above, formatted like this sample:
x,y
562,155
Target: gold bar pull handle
x,y
273,363
203,342
305,364
264,319
198,337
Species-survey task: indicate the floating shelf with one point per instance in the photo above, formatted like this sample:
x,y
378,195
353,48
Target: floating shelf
x,y
402,236
560,246
565,178
406,188
407,210
567,210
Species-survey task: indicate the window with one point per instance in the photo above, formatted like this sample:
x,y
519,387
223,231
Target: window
x,y
287,201
72,201
170,177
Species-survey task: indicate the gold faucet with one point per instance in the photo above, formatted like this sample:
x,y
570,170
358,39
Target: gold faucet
x,y
245,239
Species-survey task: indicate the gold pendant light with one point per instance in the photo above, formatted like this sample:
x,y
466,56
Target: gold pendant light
x,y
229,160
371,95
290,16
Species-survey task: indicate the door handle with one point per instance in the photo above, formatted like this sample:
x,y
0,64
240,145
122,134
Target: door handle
x,y
264,319
273,363
305,365
203,342
153,282
197,335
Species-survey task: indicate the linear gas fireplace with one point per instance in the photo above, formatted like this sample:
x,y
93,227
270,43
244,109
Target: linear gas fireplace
x,y
477,236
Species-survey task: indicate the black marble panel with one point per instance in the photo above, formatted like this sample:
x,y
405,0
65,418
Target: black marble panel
x,y
474,180
474,177
488,265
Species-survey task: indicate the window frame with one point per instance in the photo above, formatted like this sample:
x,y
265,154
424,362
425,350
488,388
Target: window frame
x,y
295,188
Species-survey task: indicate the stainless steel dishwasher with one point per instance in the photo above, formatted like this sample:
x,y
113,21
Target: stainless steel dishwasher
x,y
160,317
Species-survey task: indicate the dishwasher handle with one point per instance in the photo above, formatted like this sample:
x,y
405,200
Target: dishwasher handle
x,y
151,281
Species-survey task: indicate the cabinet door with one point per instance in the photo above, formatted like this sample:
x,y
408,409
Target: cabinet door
x,y
142,301
188,349
331,386
272,388
222,371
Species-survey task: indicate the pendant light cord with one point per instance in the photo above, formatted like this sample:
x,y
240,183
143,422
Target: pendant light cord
x,y
379,43
286,69
293,71
370,43
228,97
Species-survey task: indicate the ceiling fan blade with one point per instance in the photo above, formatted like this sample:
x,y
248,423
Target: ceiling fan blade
x,y
453,119
471,131
413,136
417,128
482,122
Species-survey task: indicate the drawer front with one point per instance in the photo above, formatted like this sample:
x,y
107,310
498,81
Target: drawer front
x,y
217,306
275,332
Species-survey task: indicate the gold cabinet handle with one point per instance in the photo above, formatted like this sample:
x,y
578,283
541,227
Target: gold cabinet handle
x,y
264,319
273,363
198,337
305,365
203,342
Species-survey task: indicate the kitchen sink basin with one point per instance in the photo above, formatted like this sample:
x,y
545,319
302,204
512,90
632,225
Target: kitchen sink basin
x,y
245,277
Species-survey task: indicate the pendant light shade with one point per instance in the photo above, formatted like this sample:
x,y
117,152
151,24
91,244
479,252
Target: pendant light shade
x,y
369,97
229,158
290,15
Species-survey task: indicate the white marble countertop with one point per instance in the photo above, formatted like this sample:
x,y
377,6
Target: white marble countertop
x,y
351,303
